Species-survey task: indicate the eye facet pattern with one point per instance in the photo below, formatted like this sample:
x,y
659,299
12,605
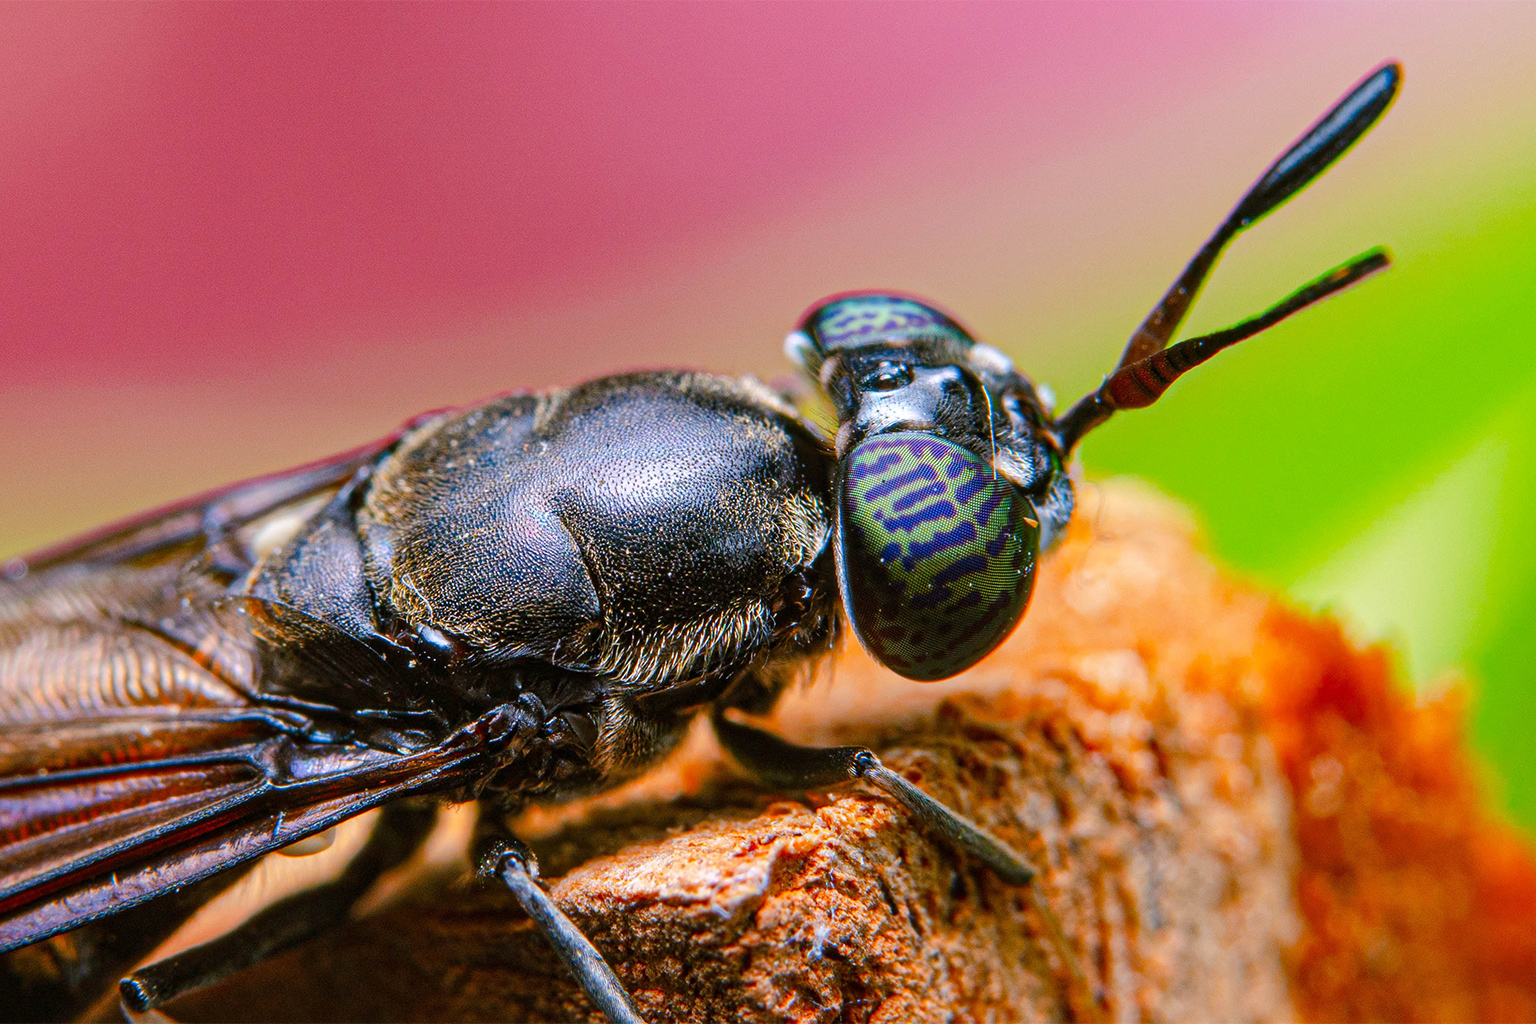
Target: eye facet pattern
x,y
860,319
936,553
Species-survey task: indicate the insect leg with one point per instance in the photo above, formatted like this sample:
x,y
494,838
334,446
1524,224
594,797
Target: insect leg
x,y
61,978
779,763
401,830
500,855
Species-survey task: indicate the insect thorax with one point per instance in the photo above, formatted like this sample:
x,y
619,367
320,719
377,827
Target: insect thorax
x,y
589,545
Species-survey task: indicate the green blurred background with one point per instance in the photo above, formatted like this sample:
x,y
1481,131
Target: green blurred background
x,y
239,237
1379,460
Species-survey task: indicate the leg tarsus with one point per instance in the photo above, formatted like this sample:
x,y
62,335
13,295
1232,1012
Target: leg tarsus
x,y
1008,865
779,763
504,857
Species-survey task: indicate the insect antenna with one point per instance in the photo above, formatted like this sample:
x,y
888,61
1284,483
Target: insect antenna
x,y
1311,155
1140,384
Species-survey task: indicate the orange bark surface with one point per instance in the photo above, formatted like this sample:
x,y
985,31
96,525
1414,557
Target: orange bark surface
x,y
1236,814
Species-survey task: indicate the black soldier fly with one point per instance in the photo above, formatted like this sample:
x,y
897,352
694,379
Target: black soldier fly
x,y
527,600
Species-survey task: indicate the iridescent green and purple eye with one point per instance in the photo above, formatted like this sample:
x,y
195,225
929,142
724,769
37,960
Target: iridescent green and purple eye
x,y
855,320
936,553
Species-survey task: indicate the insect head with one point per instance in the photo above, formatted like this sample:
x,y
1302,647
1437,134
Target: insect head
x,y
951,470
943,473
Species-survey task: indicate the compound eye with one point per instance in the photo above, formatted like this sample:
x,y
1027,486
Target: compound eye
x,y
935,553
888,376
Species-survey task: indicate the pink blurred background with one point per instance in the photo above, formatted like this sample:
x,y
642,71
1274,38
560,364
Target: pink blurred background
x,y
236,237
241,236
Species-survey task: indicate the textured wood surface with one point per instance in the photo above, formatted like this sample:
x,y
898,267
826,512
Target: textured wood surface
x,y
1140,738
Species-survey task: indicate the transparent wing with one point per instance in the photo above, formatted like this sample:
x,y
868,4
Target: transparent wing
x,y
185,527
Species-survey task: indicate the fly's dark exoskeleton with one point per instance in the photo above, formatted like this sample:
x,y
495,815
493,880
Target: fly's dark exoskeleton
x,y
527,600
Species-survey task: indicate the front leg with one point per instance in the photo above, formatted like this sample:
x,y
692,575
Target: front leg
x,y
781,764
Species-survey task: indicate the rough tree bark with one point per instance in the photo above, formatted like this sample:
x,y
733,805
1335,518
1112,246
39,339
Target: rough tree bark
x,y
1236,815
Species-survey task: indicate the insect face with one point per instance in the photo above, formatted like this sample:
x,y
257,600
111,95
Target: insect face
x,y
890,363
941,460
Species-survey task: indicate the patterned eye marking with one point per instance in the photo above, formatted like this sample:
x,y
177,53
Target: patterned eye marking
x,y
936,554
858,319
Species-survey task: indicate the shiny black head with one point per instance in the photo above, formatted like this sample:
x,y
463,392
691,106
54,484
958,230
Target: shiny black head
x,y
889,363
944,467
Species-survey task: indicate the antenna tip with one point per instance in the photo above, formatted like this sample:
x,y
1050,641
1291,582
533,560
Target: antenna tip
x,y
1388,77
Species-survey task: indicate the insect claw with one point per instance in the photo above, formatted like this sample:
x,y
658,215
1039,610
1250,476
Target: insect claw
x,y
377,626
